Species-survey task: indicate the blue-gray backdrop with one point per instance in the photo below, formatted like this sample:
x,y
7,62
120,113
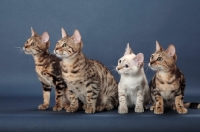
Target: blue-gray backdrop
x,y
106,27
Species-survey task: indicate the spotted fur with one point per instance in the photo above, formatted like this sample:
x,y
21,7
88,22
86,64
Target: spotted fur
x,y
133,87
87,80
168,84
47,67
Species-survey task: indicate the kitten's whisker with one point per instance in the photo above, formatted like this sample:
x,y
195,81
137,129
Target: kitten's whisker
x,y
58,37
18,51
152,49
146,69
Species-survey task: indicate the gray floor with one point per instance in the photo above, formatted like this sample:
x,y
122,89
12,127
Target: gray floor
x,y
20,113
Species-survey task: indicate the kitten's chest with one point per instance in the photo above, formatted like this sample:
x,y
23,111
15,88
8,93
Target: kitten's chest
x,y
43,75
166,85
73,78
165,82
130,82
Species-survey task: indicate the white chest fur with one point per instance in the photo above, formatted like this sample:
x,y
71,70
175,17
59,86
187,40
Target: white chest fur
x,y
131,85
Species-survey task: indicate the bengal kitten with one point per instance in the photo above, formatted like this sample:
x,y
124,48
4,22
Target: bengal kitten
x,y
168,84
87,80
47,67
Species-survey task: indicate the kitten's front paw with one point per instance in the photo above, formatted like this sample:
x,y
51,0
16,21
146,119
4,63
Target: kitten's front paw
x,y
181,110
43,106
158,110
123,109
139,109
57,108
90,110
71,109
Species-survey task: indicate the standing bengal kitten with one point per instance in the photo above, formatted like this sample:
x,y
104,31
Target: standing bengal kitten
x,y
47,67
168,84
87,80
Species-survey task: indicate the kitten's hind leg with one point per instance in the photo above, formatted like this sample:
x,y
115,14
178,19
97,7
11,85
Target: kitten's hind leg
x,y
110,103
46,97
91,98
107,106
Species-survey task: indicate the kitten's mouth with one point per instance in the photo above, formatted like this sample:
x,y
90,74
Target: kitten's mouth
x,y
152,68
60,55
26,52
117,69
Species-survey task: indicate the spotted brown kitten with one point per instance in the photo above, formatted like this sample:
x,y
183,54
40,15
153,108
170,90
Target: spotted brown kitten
x,y
47,68
168,84
87,80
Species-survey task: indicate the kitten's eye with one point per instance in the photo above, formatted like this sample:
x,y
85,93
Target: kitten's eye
x,y
64,45
159,58
126,66
32,44
120,61
152,56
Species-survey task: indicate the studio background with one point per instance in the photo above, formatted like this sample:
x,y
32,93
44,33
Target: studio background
x,y
106,26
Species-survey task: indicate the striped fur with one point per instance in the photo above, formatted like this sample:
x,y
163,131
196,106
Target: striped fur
x,y
133,87
88,80
168,84
47,67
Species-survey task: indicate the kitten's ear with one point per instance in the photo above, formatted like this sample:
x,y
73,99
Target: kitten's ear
x,y
128,50
33,33
158,47
139,59
45,37
76,37
64,34
171,51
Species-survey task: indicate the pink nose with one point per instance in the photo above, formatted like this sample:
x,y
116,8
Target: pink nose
x,y
118,68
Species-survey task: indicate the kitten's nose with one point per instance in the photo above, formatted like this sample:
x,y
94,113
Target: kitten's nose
x,y
151,63
118,68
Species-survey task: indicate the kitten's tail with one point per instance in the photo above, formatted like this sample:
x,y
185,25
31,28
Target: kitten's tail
x,y
192,105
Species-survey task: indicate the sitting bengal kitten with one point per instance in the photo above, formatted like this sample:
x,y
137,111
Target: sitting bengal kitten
x,y
168,84
87,80
133,87
47,68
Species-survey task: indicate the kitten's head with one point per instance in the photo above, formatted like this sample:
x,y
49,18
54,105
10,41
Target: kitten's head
x,y
130,63
68,46
37,44
163,59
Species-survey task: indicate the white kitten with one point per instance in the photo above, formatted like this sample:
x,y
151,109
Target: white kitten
x,y
133,87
